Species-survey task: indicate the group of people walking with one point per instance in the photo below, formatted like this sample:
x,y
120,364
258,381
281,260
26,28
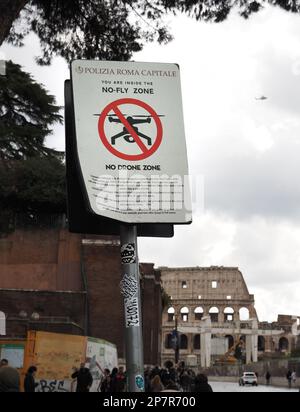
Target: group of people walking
x,y
290,376
179,379
114,381
157,379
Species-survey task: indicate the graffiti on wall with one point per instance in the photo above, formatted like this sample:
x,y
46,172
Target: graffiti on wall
x,y
56,386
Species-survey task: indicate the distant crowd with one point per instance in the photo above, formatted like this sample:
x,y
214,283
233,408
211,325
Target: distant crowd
x,y
158,379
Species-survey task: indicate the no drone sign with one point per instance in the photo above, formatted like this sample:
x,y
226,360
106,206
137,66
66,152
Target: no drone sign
x,y
130,140
130,133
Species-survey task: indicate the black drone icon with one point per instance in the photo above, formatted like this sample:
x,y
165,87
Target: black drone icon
x,y
132,120
125,133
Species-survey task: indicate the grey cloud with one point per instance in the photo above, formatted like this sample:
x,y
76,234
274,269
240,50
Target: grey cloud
x,y
267,186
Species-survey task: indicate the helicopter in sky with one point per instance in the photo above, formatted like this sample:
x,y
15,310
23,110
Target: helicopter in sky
x,y
261,98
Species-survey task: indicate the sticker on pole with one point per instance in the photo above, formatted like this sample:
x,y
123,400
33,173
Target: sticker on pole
x,y
130,129
140,383
128,254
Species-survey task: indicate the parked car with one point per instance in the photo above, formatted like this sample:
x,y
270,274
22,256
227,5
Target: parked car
x,y
248,378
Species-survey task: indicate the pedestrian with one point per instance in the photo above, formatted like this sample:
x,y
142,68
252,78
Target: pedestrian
x,y
147,375
294,377
155,371
171,387
29,381
268,378
120,380
3,362
289,378
201,384
9,379
105,382
84,378
185,381
113,381
156,384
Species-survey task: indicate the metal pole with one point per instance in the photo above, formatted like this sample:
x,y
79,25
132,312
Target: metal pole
x,y
130,288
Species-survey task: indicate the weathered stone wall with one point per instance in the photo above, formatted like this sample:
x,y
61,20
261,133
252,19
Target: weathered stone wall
x,y
40,259
58,311
37,263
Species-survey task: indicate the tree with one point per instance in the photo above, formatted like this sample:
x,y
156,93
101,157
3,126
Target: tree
x,y
165,299
34,185
32,176
27,112
31,188
110,29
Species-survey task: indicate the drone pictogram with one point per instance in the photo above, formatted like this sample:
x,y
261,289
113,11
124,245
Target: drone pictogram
x,y
142,143
132,120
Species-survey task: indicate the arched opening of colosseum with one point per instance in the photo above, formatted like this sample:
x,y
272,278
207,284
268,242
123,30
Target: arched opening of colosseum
x,y
230,341
184,314
243,339
228,315
199,313
214,314
244,314
183,342
283,344
261,344
197,342
169,341
171,315
2,323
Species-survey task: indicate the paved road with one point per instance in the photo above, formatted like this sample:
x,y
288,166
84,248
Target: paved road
x,y
234,387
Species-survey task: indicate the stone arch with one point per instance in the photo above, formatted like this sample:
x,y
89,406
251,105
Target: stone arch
x,y
184,312
243,339
2,323
169,341
261,344
214,314
197,342
171,314
199,312
229,314
183,341
244,314
230,341
284,344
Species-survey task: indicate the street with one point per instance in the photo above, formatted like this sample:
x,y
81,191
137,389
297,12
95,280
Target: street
x,y
234,387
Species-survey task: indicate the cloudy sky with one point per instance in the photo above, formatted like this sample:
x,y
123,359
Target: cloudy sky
x,y
246,151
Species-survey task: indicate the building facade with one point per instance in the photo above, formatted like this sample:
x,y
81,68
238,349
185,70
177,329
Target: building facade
x,y
219,295
55,281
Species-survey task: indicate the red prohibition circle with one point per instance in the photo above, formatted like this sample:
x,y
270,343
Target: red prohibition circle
x,y
145,151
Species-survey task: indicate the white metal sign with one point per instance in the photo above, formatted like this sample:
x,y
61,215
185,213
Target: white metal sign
x,y
131,141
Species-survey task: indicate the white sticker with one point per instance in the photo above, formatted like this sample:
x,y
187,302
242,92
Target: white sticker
x,y
128,255
132,313
129,289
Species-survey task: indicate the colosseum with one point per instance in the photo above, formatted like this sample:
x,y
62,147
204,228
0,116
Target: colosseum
x,y
211,308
